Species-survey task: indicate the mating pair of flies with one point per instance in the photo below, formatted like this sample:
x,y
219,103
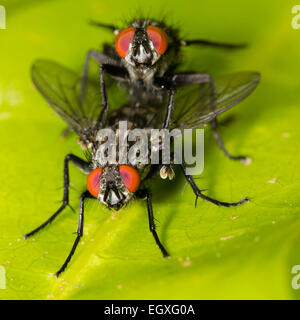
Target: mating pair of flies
x,y
144,60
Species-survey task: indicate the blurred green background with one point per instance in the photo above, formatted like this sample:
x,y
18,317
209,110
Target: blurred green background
x,y
217,253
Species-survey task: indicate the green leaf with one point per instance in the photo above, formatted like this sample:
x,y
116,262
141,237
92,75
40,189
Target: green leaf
x,y
246,252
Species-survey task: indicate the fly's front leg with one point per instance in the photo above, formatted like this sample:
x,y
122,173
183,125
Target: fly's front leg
x,y
198,192
116,72
176,81
83,196
207,43
81,164
196,78
104,100
166,169
99,57
146,194
110,27
112,67
167,121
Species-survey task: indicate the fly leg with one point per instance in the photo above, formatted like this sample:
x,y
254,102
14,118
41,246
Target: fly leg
x,y
179,80
207,43
176,81
146,194
83,196
166,169
198,192
185,79
104,100
104,26
112,67
102,59
167,121
214,125
81,164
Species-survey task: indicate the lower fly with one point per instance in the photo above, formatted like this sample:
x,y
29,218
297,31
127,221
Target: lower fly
x,y
115,185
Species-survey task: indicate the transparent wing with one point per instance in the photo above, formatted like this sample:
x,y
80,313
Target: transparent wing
x,y
60,86
193,105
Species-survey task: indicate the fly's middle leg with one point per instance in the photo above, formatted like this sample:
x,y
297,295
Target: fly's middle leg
x,y
198,78
198,193
214,125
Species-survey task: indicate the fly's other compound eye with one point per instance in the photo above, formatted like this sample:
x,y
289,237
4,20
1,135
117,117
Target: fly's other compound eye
x,y
159,39
130,177
123,41
93,182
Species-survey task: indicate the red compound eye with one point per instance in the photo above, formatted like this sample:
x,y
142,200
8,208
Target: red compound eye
x,y
93,182
130,177
123,41
159,39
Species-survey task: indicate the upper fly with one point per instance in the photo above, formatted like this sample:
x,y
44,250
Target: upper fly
x,y
145,56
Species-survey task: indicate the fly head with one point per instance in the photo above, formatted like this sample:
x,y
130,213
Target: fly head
x,y
147,49
113,185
